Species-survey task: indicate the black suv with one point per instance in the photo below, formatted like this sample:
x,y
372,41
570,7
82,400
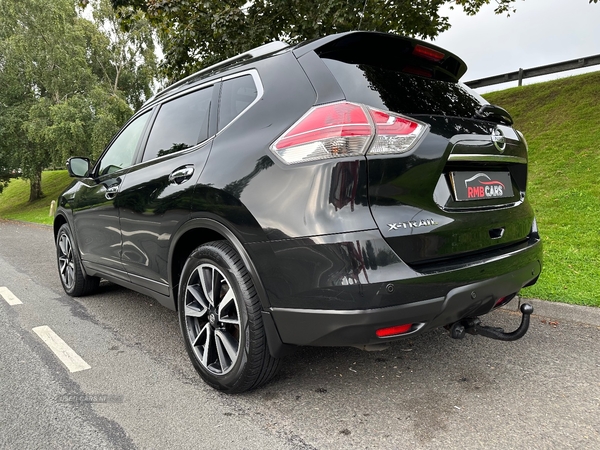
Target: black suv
x,y
347,191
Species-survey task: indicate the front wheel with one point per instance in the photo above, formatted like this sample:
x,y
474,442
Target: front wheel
x,y
221,322
74,280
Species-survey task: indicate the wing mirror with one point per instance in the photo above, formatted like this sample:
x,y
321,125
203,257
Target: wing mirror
x,y
78,167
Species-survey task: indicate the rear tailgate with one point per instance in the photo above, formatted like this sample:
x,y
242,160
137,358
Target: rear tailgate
x,y
421,201
461,190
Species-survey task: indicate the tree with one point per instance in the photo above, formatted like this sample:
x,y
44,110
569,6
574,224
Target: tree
x,y
195,34
124,59
67,84
41,65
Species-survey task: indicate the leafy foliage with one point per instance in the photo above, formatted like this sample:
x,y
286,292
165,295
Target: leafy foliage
x,y
124,60
197,33
67,84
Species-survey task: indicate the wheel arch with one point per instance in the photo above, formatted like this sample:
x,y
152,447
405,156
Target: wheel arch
x,y
199,231
59,221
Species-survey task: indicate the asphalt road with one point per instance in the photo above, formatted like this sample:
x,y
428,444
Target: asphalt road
x,y
141,391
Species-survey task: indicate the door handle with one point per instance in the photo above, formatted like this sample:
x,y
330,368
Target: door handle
x,y
112,190
181,174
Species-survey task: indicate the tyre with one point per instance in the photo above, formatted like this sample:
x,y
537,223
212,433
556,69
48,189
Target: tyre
x,y
221,322
74,280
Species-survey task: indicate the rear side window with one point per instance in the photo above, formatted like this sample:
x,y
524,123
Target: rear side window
x,y
180,124
236,95
405,93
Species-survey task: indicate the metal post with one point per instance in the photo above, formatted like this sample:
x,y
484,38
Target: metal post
x,y
520,77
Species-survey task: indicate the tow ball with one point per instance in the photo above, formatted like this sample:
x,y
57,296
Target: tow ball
x,y
473,326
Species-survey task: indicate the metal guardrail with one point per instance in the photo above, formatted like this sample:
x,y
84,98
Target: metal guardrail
x,y
535,72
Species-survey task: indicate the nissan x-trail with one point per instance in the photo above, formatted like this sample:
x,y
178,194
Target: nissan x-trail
x,y
347,191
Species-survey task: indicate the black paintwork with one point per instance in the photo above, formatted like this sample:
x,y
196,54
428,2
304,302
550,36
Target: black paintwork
x,y
315,236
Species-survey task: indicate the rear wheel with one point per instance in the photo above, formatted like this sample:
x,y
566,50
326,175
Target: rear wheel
x,y
220,318
75,282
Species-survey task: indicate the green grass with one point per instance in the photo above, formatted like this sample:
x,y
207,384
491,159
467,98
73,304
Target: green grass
x,y
14,199
561,122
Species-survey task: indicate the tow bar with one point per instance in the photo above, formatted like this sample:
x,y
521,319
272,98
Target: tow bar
x,y
473,326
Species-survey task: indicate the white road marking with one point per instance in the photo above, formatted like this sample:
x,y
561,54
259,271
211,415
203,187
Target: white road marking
x,y
67,356
10,298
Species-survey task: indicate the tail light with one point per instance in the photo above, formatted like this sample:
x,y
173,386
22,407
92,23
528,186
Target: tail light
x,y
395,134
346,129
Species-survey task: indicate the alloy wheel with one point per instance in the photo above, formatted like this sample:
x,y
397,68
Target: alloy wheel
x,y
212,319
66,263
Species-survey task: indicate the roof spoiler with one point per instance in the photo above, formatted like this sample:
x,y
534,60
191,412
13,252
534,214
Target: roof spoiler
x,y
398,52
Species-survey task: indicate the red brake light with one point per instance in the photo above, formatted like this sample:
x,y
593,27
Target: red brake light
x,y
346,129
428,53
328,131
393,331
330,117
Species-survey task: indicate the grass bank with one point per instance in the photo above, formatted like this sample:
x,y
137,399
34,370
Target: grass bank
x,y
14,204
561,122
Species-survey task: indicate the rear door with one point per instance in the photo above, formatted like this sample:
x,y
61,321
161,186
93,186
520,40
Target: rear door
x,y
155,197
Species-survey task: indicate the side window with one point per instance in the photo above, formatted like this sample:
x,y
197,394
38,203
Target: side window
x,y
122,151
236,95
180,124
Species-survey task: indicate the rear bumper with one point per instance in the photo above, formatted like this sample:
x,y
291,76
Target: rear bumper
x,y
358,327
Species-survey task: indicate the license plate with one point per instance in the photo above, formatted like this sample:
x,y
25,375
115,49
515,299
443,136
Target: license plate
x,y
481,185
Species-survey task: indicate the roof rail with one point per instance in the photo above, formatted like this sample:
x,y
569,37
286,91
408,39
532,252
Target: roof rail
x,y
262,50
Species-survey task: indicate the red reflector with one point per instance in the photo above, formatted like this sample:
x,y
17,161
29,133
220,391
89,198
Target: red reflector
x,y
393,331
427,53
500,301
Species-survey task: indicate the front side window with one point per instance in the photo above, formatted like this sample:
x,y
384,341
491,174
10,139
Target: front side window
x,y
180,124
122,151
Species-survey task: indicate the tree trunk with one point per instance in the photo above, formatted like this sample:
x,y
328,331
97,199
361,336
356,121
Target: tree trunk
x,y
35,189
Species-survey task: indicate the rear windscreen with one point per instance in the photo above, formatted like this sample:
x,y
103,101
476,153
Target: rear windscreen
x,y
405,93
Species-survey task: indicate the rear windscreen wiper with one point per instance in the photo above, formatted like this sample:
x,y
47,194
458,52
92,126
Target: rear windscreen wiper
x,y
494,113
